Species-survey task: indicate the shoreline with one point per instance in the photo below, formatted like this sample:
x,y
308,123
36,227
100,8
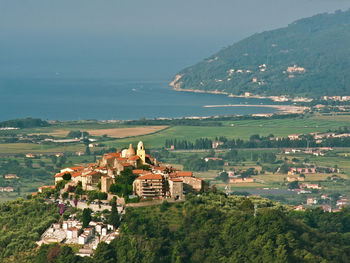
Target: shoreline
x,y
217,92
280,108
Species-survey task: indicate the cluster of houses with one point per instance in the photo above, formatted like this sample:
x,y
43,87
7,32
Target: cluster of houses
x,y
6,189
153,180
336,98
322,202
318,136
72,232
11,176
316,152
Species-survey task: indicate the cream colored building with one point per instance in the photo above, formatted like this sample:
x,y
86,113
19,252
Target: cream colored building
x,y
149,185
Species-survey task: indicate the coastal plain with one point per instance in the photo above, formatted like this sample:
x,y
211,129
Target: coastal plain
x,y
155,136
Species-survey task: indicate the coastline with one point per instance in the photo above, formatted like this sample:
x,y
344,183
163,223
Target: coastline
x,y
176,85
221,93
290,109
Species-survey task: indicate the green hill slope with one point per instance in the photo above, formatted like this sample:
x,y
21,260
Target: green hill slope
x,y
319,47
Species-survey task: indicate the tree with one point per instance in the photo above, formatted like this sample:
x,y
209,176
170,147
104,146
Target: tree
x,y
28,163
53,159
86,217
293,185
114,216
87,150
67,255
105,253
223,177
67,176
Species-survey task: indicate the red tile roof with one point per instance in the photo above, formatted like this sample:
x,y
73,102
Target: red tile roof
x,y
160,168
76,174
184,174
150,177
138,171
176,180
116,155
60,174
121,159
77,168
91,173
47,186
126,164
134,158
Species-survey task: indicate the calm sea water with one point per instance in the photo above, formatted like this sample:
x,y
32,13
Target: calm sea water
x,y
76,99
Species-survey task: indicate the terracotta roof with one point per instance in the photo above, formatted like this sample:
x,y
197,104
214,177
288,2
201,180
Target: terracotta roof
x,y
173,174
77,168
47,186
150,177
91,173
36,193
138,171
134,158
160,168
76,174
126,164
61,174
184,174
114,154
121,159
176,180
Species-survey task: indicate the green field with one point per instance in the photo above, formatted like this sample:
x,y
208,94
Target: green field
x,y
239,129
242,129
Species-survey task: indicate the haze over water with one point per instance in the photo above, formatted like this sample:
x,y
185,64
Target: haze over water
x,y
76,99
114,59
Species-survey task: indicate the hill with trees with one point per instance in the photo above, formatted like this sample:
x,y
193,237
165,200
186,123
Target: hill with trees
x,y
210,227
310,57
213,227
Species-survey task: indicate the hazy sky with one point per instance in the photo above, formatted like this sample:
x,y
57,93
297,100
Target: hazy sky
x,y
148,38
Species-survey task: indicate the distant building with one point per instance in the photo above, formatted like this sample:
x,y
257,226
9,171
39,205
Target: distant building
x,y
8,189
299,208
215,144
241,180
11,176
311,201
294,137
42,188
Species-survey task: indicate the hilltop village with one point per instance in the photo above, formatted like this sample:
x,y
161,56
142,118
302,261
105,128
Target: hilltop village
x,y
153,180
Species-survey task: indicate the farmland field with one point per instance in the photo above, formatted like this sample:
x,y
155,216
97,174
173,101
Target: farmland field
x,y
126,132
242,129
157,135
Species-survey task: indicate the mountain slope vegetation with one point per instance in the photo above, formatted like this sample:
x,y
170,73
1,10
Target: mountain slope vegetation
x,y
310,57
213,227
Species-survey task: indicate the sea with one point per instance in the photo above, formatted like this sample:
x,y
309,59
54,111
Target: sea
x,y
57,98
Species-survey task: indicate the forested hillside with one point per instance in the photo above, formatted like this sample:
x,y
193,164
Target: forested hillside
x,y
310,57
216,228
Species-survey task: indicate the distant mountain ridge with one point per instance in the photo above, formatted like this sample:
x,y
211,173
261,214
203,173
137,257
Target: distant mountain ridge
x,y
310,57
